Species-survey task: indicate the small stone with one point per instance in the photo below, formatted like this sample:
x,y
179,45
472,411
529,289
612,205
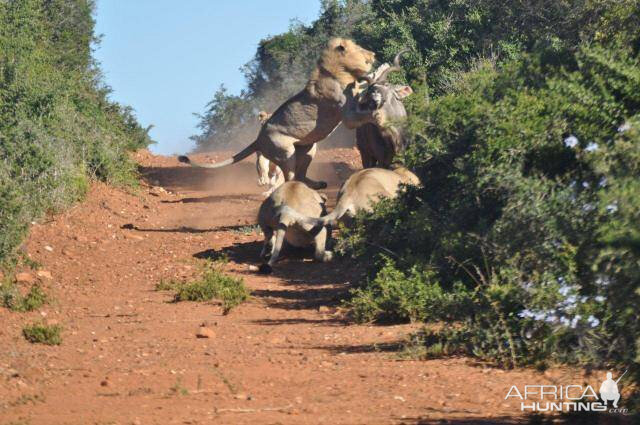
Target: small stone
x,y
48,248
157,191
205,332
133,237
276,340
323,309
25,277
44,274
240,396
104,383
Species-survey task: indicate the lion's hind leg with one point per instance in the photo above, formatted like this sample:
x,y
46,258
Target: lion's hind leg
x,y
304,155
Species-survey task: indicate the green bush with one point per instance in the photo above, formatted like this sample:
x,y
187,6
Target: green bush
x,y
39,333
57,127
214,283
395,296
528,206
11,298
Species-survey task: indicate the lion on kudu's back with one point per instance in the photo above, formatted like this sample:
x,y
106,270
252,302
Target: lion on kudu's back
x,y
288,138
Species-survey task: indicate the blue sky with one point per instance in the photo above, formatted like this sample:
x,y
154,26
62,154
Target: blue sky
x,y
166,58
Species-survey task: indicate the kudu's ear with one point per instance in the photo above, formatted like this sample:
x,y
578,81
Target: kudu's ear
x,y
402,91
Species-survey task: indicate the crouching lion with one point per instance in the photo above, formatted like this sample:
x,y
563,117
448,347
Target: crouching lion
x,y
362,190
289,136
286,216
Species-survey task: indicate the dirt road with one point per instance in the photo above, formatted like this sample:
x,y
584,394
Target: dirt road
x,y
130,356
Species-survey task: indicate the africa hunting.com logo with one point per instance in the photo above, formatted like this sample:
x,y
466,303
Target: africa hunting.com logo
x,y
569,398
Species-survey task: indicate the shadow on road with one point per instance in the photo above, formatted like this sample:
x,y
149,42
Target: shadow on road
x,y
215,198
182,229
581,418
383,347
309,284
299,321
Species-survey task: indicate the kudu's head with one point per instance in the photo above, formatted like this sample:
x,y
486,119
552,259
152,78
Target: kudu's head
x,y
379,91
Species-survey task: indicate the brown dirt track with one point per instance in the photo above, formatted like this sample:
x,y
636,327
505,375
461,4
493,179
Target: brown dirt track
x,y
288,356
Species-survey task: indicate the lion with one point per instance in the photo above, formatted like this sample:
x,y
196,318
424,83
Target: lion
x,y
360,192
289,136
263,117
285,215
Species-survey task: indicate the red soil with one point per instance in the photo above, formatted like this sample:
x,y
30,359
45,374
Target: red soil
x,y
129,356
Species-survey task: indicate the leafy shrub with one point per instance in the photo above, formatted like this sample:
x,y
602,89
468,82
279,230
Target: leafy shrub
x,y
396,296
57,127
445,37
11,298
527,208
231,291
39,333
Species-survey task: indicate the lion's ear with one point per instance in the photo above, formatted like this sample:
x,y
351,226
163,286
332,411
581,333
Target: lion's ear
x,y
340,48
402,91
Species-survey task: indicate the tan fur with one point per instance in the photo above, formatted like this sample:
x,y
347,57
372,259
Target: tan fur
x,y
366,187
263,116
283,216
268,172
338,68
289,136
407,176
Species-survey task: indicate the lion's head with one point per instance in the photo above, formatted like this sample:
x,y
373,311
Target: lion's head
x,y
346,60
263,116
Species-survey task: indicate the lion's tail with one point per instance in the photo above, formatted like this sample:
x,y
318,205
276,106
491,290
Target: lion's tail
x,y
235,158
289,216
